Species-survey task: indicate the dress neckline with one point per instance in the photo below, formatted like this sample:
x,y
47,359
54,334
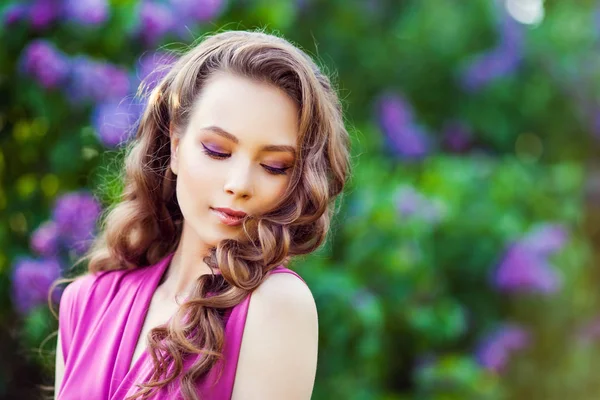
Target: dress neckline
x,y
147,287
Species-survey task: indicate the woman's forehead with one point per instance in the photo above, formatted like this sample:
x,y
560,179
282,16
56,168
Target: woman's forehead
x,y
243,109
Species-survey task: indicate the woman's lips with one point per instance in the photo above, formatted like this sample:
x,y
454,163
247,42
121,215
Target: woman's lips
x,y
226,218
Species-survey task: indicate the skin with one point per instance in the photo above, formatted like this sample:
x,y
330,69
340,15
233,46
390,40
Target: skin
x,y
281,332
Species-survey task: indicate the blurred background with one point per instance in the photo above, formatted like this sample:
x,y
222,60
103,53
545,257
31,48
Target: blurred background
x,y
463,264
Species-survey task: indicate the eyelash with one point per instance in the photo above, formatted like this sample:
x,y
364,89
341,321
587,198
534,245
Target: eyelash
x,y
222,156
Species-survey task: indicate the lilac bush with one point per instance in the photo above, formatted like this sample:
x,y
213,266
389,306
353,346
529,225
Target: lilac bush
x,y
408,201
524,270
198,10
97,81
31,280
42,13
525,266
156,20
394,111
152,67
107,86
114,122
76,215
45,240
487,67
547,239
15,13
495,350
72,227
405,137
44,63
87,12
500,61
412,204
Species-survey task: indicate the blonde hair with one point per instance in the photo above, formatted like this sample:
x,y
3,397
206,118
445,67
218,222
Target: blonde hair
x,y
146,224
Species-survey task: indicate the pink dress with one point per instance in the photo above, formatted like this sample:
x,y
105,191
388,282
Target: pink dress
x,y
100,320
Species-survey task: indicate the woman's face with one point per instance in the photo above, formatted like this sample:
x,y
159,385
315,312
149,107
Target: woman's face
x,y
227,155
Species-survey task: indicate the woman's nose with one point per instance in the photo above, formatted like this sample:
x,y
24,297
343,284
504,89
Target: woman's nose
x,y
239,181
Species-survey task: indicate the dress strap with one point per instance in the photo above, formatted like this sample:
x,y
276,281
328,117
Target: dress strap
x,y
281,269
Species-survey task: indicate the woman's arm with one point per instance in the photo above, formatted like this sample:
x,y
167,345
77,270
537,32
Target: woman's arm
x,y
278,355
60,367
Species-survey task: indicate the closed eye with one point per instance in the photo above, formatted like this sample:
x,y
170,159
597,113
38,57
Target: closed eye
x,y
214,154
276,171
222,156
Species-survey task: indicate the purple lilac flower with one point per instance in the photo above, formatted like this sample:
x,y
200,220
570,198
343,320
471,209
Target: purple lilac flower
x,y
457,136
500,61
15,13
410,203
75,215
156,21
44,240
524,269
152,67
47,65
118,81
547,239
198,10
488,67
114,122
42,13
97,81
31,280
494,351
512,35
394,111
87,80
525,266
87,12
405,138
411,142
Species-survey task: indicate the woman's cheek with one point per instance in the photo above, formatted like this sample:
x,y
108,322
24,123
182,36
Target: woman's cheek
x,y
200,170
273,191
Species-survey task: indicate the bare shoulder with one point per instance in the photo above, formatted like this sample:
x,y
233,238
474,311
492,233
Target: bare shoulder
x,y
285,290
278,355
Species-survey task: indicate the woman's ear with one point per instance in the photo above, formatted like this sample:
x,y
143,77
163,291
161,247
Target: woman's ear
x,y
174,164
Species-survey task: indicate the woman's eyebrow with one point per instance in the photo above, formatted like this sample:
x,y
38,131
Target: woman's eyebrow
x,y
271,147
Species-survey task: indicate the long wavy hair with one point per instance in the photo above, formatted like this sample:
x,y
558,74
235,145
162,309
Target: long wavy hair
x,y
146,224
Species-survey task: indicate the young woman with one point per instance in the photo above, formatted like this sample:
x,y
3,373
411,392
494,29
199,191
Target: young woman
x,y
238,158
